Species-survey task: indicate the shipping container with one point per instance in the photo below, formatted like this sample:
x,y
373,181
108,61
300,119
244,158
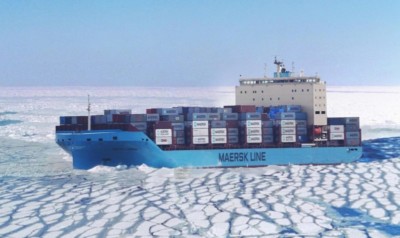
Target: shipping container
x,y
301,123
264,117
268,123
253,131
353,135
242,108
200,132
163,125
291,116
200,124
74,120
98,119
250,116
254,139
300,130
268,139
218,140
287,131
178,133
336,128
233,131
344,121
198,140
151,111
218,131
172,118
293,108
163,132
352,127
336,136
233,140
288,138
197,116
285,123
179,140
137,117
120,118
167,111
267,131
251,123
218,124
178,125
232,124
230,116
214,116
163,140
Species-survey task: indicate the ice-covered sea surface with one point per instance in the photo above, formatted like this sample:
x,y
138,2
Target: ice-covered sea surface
x,y
42,196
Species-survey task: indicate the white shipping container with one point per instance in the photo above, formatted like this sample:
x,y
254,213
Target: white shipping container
x,y
287,123
197,140
200,132
336,128
163,140
163,132
288,138
200,124
218,140
253,123
288,130
218,131
336,136
254,139
254,131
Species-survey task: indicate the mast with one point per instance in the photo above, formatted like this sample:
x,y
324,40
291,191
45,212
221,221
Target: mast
x,y
88,109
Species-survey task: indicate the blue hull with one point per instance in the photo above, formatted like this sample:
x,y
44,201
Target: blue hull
x,y
89,149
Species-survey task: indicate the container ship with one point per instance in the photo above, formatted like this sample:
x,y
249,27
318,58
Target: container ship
x,y
277,120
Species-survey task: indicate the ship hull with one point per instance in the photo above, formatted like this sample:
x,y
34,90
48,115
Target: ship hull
x,y
112,148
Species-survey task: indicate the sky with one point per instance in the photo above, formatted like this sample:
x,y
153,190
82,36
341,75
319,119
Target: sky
x,y
196,43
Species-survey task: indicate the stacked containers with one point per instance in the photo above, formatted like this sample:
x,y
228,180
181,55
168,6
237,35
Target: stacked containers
x,y
291,125
218,132
139,121
286,130
98,119
178,133
73,120
251,127
349,127
267,131
163,133
336,132
109,113
198,133
232,126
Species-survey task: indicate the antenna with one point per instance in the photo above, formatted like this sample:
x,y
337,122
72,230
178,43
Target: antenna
x,y
293,67
279,65
88,109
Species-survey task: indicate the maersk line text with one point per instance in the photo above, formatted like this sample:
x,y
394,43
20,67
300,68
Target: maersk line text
x,y
242,156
